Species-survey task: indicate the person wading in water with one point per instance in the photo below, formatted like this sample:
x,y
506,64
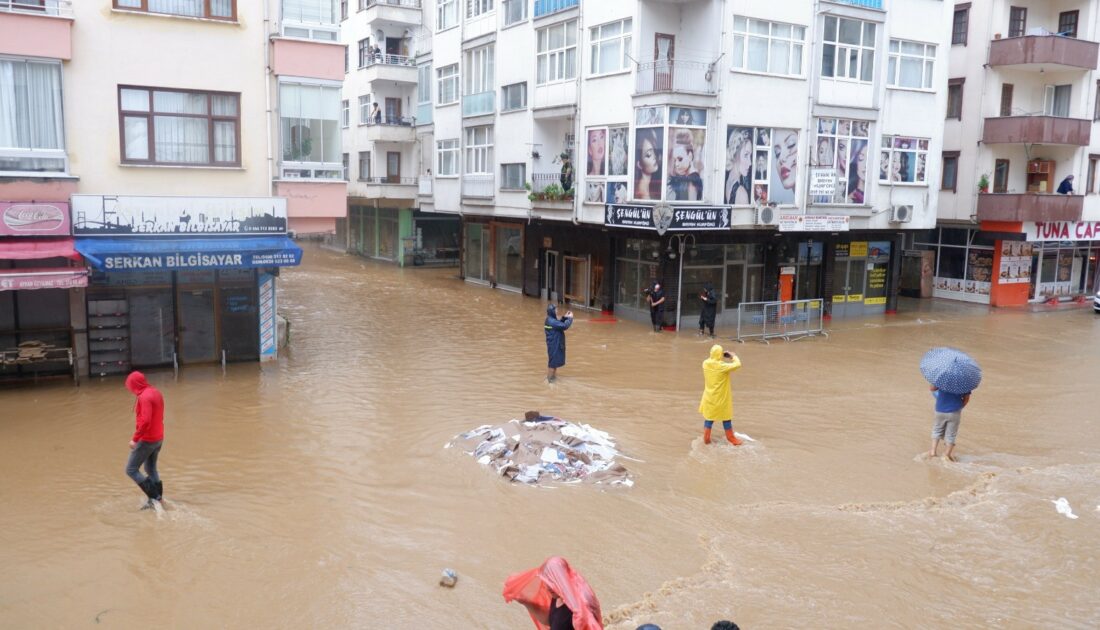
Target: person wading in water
x,y
717,402
148,437
555,340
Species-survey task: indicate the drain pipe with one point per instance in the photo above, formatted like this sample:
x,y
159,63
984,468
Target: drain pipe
x,y
577,121
267,95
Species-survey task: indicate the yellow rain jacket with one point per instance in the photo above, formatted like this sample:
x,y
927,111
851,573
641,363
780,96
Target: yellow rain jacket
x,y
717,402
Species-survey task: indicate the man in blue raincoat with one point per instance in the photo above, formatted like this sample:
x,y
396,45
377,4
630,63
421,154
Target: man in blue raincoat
x,y
555,340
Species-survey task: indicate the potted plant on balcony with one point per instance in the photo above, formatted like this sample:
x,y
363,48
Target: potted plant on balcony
x,y
983,183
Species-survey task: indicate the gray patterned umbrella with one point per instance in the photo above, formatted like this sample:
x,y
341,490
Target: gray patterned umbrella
x,y
951,370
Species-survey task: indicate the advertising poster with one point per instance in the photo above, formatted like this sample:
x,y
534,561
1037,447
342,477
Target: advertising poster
x,y
269,346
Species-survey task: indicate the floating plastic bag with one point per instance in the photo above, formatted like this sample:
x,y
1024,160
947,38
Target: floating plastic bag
x,y
536,588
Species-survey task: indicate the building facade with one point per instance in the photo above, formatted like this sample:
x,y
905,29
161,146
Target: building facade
x,y
1023,102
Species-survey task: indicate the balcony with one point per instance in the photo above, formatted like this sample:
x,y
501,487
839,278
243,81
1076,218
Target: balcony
x,y
539,183
395,68
424,114
405,12
58,8
391,130
479,104
478,185
424,186
1040,52
1037,130
654,77
1030,207
549,7
36,28
386,187
866,4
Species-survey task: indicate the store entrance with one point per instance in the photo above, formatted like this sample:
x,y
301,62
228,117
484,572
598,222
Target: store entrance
x,y
859,278
198,325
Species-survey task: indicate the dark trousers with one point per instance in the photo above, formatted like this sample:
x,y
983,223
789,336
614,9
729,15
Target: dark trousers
x,y
706,320
144,453
657,316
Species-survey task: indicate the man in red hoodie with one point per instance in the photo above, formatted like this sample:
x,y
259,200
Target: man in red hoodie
x,y
148,436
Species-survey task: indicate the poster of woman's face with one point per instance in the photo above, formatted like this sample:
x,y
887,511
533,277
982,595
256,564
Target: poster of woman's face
x,y
857,172
685,116
686,149
618,156
648,149
644,116
739,162
617,193
593,192
597,152
784,166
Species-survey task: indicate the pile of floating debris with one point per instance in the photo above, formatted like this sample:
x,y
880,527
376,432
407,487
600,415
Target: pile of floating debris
x,y
545,449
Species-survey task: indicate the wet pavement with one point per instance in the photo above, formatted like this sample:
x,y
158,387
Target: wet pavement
x,y
316,492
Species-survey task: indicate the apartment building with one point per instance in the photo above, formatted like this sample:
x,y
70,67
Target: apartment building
x,y
774,150
1023,102
154,156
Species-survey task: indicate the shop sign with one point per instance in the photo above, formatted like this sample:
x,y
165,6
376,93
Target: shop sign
x,y
34,219
268,326
813,222
99,215
822,182
25,279
133,279
1015,263
1062,230
668,218
150,261
858,249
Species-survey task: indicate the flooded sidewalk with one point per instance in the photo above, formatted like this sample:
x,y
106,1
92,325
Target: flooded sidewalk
x,y
316,492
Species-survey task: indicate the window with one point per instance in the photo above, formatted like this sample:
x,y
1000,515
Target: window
x,y
903,160
214,10
446,14
514,11
446,158
448,84
180,127
1017,21
955,98
513,176
364,109
479,149
611,47
1067,23
848,49
345,119
364,52
960,24
343,10
310,125
1000,176
424,84
1096,106
557,53
479,70
1090,179
475,8
910,64
949,180
364,166
308,19
1056,101
841,146
32,133
762,167
513,97
347,162
770,47
1006,99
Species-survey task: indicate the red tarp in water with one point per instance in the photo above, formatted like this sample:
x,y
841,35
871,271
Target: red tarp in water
x,y
537,587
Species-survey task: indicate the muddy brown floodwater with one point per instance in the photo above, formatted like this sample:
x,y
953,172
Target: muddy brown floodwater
x,y
316,492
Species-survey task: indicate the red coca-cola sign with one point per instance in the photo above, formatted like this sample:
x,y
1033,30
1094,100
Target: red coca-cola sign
x,y
34,219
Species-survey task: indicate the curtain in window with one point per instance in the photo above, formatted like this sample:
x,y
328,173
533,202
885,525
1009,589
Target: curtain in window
x,y
30,105
310,11
182,140
311,122
191,8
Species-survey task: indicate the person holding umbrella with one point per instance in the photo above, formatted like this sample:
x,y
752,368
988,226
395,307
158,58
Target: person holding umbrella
x,y
555,340
953,376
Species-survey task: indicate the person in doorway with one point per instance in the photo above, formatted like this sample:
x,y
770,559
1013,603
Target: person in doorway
x,y
717,401
948,414
1066,187
147,439
377,54
566,177
655,296
376,115
709,297
555,340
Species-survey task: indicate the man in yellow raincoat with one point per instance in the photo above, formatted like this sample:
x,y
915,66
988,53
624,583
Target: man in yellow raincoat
x,y
717,402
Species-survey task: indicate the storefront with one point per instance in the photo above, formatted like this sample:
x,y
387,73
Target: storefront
x,y
181,280
435,239
376,232
493,253
568,264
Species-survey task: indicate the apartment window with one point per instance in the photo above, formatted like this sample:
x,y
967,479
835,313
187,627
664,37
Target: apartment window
x,y
32,133
364,109
448,84
1017,21
769,47
214,9
1000,176
424,84
1006,99
1067,23
955,98
180,127
557,53
345,118
513,97
514,11
1096,106
513,176
475,8
446,158
347,163
479,149
364,166
903,160
910,64
611,47
960,24
364,52
949,179
848,49
310,123
1056,100
308,19
479,70
446,14
842,146
347,59
1090,179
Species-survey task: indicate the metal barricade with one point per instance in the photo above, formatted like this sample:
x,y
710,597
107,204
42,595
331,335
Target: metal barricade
x,y
790,320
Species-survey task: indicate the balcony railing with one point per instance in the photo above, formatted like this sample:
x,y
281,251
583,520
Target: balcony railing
x,y
424,186
1030,207
391,180
546,7
1037,130
424,114
1043,49
412,4
390,60
38,7
866,4
539,181
479,185
478,104
675,76
391,121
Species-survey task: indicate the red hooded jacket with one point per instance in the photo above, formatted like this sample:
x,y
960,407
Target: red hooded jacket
x,y
149,409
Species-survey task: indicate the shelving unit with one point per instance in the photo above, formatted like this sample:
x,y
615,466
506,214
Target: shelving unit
x,y
108,337
1040,176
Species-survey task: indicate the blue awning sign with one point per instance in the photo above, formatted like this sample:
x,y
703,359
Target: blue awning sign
x,y
130,254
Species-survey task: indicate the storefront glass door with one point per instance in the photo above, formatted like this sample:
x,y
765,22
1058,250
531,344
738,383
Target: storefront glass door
x,y
576,280
550,276
198,325
153,338
239,323
477,260
850,277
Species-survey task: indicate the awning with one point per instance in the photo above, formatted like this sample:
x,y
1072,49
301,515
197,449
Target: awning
x,y
151,254
27,249
60,278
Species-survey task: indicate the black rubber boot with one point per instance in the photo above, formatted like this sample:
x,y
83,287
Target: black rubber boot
x,y
160,490
149,488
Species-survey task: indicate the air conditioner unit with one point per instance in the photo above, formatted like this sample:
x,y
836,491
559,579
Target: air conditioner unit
x,y
767,215
901,214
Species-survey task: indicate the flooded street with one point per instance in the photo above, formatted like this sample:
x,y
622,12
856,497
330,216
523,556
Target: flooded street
x,y
316,492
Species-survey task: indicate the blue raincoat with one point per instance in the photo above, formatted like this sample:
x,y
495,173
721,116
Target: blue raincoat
x,y
555,336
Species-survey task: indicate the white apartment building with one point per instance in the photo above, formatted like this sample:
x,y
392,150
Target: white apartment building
x,y
1024,99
